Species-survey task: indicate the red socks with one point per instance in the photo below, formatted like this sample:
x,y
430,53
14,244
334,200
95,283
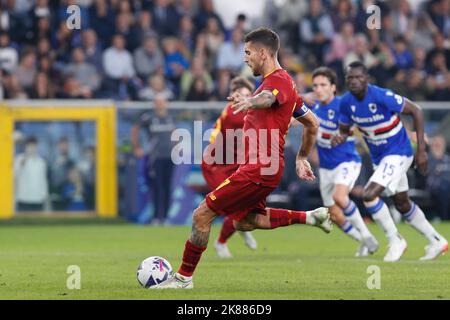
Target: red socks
x,y
191,257
227,230
283,217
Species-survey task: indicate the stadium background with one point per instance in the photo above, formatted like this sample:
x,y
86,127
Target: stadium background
x,y
187,52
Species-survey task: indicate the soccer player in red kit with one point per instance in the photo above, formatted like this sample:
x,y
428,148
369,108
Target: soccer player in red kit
x,y
242,196
215,172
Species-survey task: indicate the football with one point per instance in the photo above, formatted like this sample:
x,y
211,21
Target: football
x,y
153,271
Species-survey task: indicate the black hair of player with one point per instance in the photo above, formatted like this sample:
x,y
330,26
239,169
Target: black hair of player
x,y
327,73
358,65
265,37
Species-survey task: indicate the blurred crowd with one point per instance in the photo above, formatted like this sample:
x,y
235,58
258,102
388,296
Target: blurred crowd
x,y
181,49
58,182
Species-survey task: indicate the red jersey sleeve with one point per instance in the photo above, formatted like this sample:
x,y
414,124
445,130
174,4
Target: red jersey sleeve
x,y
278,86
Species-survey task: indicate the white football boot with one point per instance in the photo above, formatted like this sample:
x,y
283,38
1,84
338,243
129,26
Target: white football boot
x,y
322,219
396,249
222,250
249,240
368,246
363,250
176,282
434,250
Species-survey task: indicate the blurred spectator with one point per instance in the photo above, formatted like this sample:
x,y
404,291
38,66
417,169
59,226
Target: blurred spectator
x,y
102,21
402,18
361,53
11,88
8,55
242,23
186,32
145,28
165,18
316,30
72,89
424,29
87,169
196,70
156,87
159,126
44,48
187,8
206,11
30,175
287,21
341,45
438,179
399,82
26,70
60,165
439,14
403,58
92,49
63,43
231,53
125,29
85,73
439,46
415,90
118,67
214,38
42,87
148,58
73,191
175,62
198,91
438,80
419,59
222,88
343,12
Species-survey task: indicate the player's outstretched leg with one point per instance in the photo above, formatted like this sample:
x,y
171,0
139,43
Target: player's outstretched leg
x,y
193,250
380,213
275,218
351,214
416,218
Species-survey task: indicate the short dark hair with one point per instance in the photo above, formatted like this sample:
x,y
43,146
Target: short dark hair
x,y
31,140
326,72
358,64
266,37
241,82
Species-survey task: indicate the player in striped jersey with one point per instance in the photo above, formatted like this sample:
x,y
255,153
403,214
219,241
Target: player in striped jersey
x,y
340,165
376,112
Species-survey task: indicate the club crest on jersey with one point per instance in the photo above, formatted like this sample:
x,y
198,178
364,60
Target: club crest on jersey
x,y
331,114
373,107
353,108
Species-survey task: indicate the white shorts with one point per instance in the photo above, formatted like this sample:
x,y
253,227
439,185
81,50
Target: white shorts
x,y
346,173
391,174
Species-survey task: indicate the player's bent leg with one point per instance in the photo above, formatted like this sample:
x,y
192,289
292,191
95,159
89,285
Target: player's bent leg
x,y
351,212
195,246
346,226
380,214
416,218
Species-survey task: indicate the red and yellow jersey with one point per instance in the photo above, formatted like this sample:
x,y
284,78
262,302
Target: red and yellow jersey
x,y
270,126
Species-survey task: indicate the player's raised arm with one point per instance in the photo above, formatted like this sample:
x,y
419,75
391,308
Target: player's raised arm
x,y
264,99
309,135
421,158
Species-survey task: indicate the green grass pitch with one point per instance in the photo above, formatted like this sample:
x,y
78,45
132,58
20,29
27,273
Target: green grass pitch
x,y
296,262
